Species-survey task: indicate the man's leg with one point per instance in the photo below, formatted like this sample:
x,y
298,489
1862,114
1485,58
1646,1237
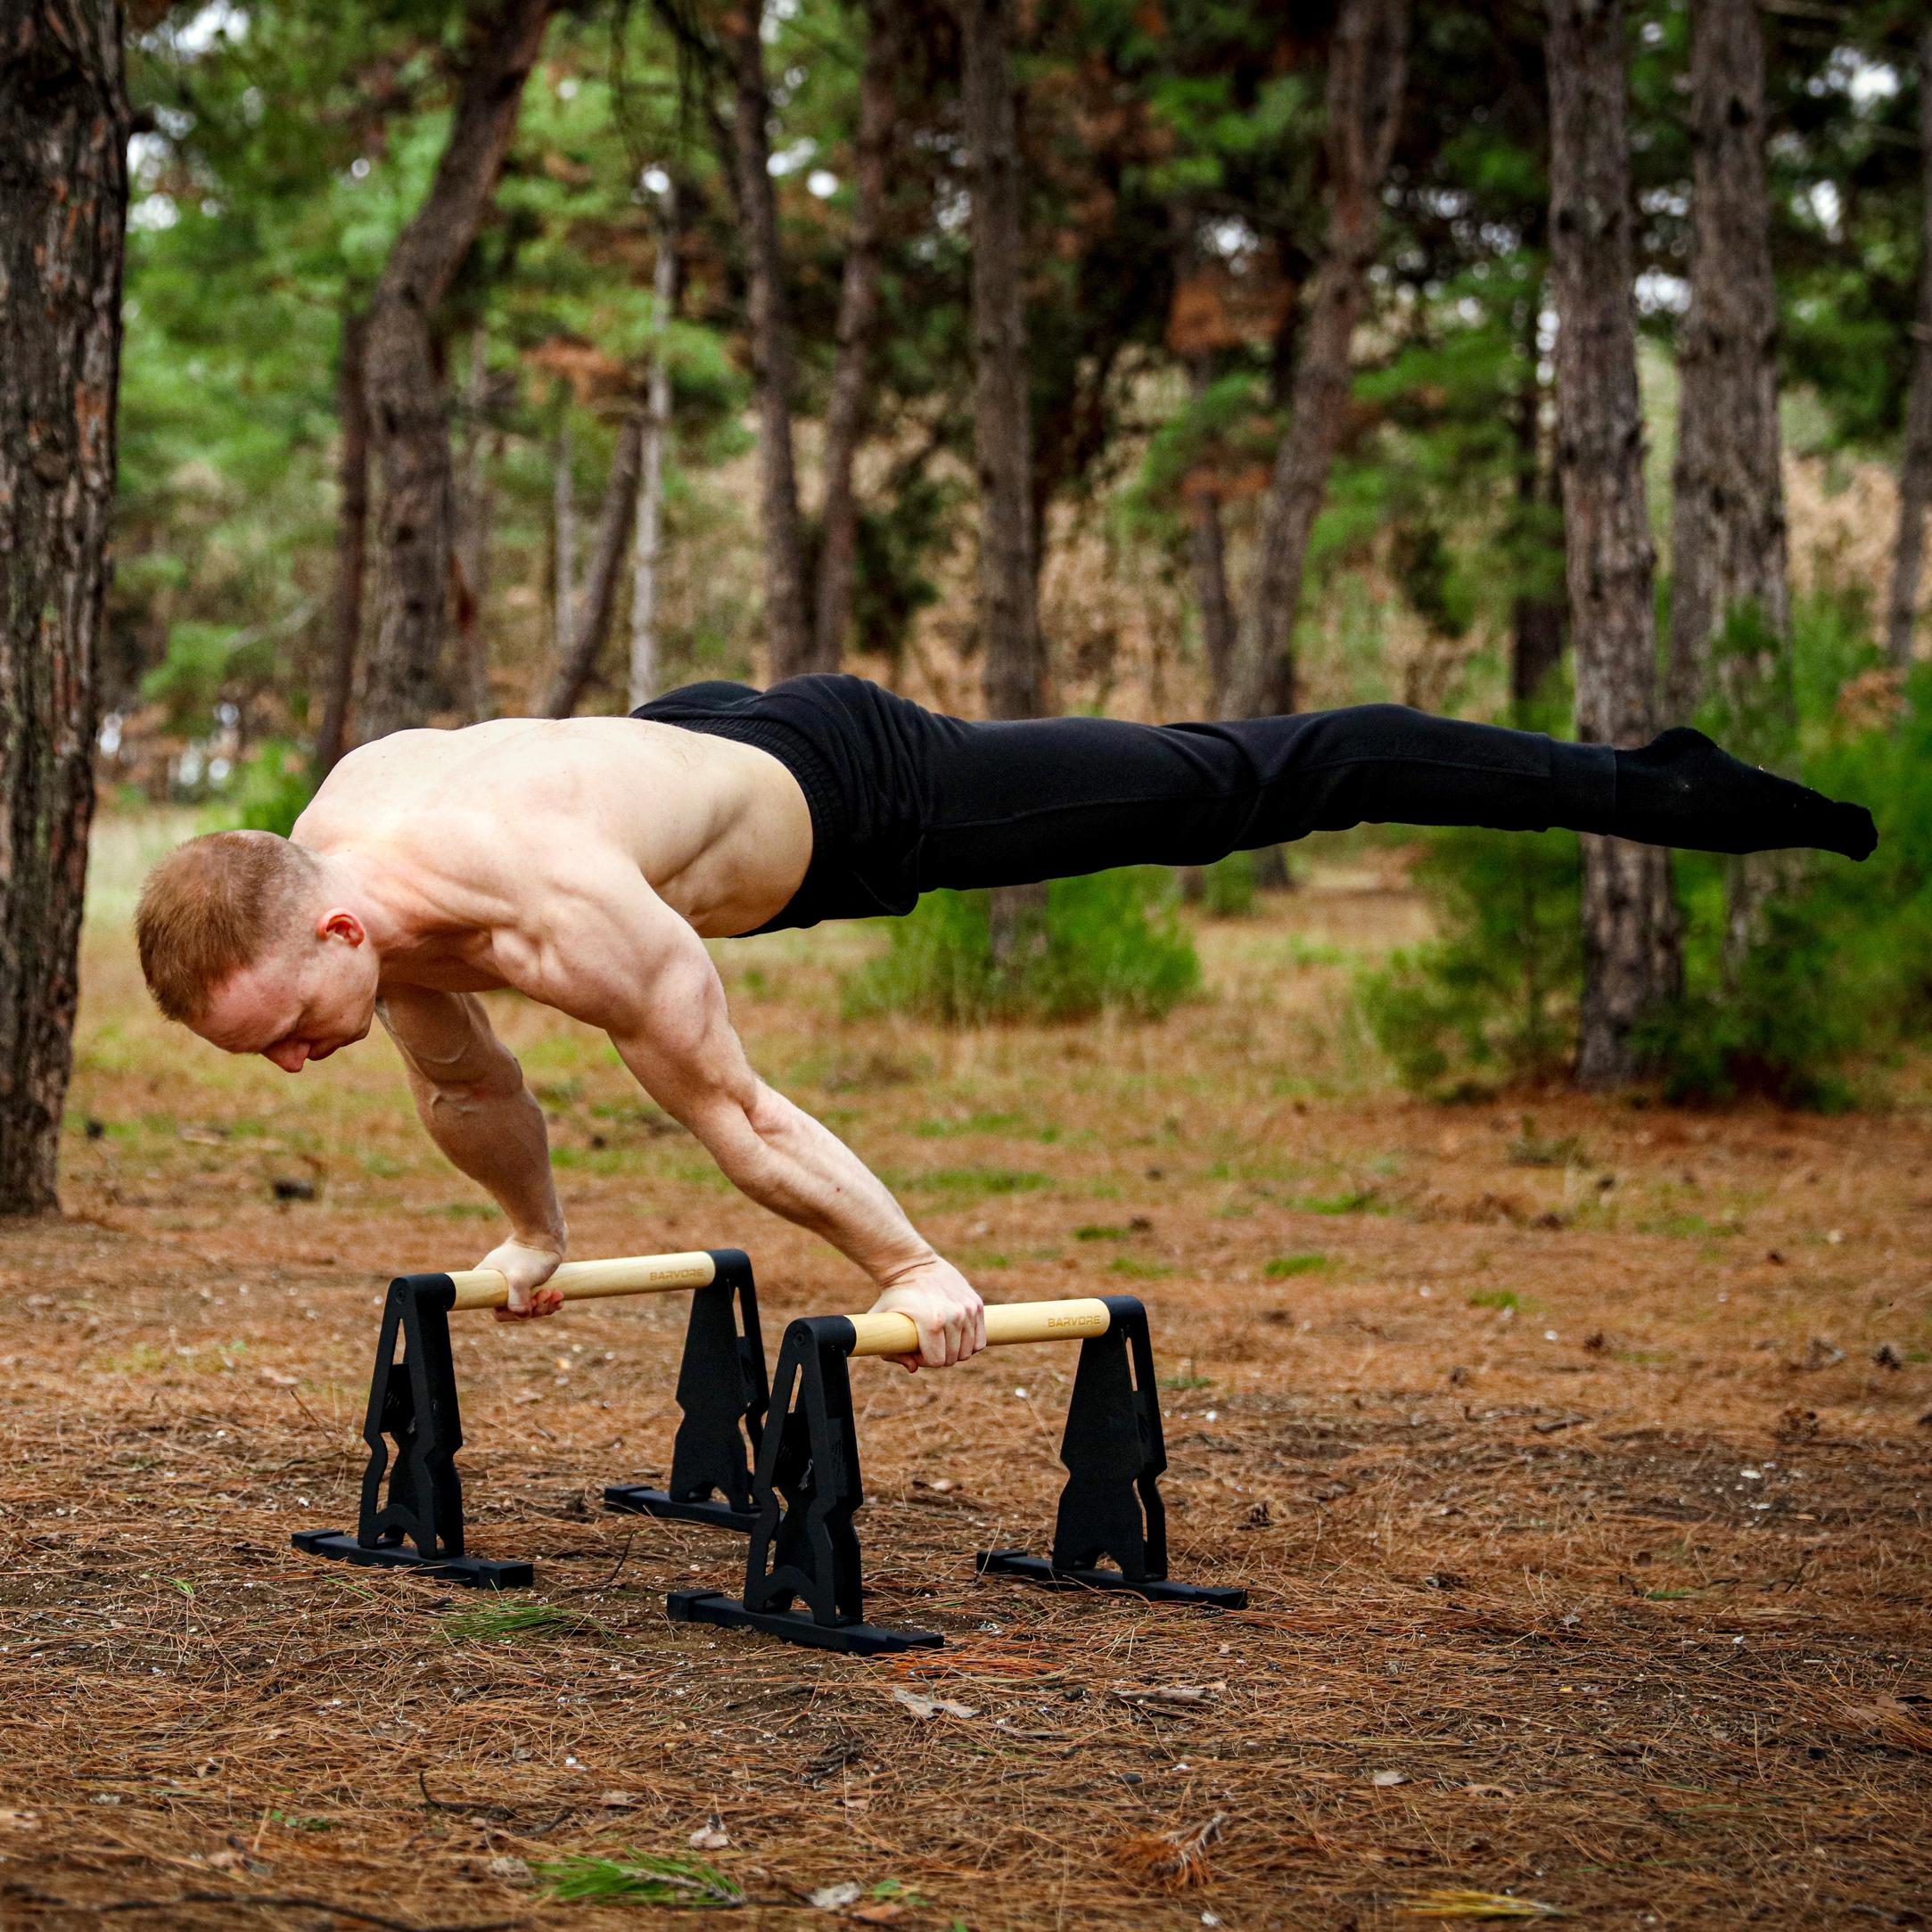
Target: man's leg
x,y
1011,803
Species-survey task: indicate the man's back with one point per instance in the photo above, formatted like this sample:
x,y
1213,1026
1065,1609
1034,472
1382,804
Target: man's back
x,y
720,829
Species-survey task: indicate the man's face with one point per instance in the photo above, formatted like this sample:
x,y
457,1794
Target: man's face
x,y
298,1002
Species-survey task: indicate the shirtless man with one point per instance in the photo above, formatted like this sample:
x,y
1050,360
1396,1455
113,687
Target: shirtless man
x,y
582,862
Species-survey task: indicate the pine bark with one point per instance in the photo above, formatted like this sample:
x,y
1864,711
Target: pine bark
x,y
588,620
1207,553
63,215
786,602
408,412
1367,71
1015,667
1915,471
351,542
474,511
1728,519
858,322
1536,620
1730,611
647,545
1630,927
563,535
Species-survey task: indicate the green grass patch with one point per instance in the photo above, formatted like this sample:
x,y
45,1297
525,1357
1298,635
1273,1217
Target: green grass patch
x,y
1686,1226
1141,1270
503,1622
1103,1230
1357,1201
595,1159
639,1879
1497,1298
974,1183
1283,1267
973,1123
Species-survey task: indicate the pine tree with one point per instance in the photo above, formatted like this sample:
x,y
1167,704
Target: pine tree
x,y
63,214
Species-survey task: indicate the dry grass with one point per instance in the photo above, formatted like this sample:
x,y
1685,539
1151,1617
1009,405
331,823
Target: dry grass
x,y
1578,1572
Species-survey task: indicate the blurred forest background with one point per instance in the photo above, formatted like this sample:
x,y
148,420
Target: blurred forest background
x,y
1566,363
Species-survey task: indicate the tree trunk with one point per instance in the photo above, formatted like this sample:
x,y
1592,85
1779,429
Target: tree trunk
x,y
858,309
1207,552
63,217
1630,927
1014,667
1730,597
408,416
786,602
1368,69
589,622
1536,621
562,537
1915,471
1015,664
646,673
474,512
351,543
1727,522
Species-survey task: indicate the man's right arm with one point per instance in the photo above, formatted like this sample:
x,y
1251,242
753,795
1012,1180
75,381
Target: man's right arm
x,y
470,1095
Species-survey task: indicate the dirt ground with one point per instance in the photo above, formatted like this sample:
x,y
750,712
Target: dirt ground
x,y
1574,1454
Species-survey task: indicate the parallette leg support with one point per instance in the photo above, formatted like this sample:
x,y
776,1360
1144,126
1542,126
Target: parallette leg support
x,y
801,1573
722,1390
411,1516
1115,1456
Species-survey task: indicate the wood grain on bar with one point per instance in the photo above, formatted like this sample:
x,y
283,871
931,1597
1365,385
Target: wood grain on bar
x,y
583,1281
1007,1322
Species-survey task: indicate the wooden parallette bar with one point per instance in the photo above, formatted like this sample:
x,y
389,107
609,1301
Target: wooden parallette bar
x,y
1007,1323
412,1496
585,1281
802,1578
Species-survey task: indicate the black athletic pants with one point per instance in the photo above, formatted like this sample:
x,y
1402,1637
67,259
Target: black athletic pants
x,y
904,799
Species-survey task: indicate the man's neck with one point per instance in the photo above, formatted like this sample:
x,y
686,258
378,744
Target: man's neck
x,y
414,941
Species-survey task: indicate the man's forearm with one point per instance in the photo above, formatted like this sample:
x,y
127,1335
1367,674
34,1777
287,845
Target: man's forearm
x,y
796,1166
494,1133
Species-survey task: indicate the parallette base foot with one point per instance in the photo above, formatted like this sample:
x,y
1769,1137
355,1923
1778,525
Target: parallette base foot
x,y
1024,1568
634,1498
475,1572
795,1626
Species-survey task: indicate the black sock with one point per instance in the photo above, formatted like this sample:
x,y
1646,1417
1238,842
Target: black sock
x,y
1682,790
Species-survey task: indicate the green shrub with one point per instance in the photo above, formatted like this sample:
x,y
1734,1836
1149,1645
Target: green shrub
x,y
269,792
1110,941
1842,965
1840,970
1494,997
1228,886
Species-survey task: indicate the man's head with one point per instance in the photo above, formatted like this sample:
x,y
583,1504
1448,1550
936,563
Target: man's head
x,y
243,940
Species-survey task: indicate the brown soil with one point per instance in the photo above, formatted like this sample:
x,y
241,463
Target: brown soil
x,y
1574,1454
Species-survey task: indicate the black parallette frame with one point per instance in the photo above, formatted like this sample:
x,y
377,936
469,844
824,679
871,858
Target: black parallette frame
x,y
803,1579
418,1524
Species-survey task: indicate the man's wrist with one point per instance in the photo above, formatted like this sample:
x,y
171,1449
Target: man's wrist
x,y
891,1274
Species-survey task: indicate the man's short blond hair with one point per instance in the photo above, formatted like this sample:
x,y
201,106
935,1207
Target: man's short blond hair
x,y
212,906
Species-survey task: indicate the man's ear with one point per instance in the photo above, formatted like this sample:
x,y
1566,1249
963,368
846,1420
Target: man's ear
x,y
339,923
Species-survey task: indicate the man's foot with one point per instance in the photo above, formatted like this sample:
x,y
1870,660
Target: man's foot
x,y
1682,790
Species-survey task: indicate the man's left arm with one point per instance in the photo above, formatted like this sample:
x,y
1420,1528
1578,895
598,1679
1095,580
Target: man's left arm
x,y
613,953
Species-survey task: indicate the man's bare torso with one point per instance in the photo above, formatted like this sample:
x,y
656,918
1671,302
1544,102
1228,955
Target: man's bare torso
x,y
464,824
